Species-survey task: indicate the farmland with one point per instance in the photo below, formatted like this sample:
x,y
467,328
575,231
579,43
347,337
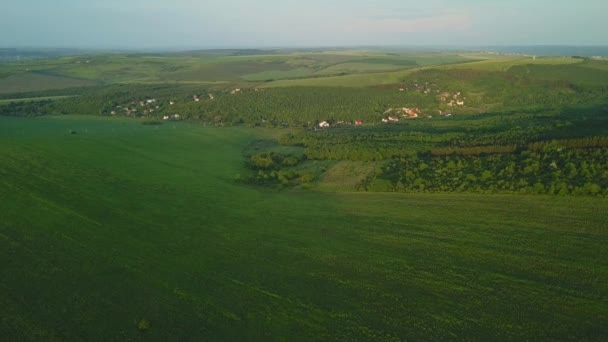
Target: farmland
x,y
266,195
204,67
123,223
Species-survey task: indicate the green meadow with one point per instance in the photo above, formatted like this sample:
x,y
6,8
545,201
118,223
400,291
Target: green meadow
x,y
114,230
203,67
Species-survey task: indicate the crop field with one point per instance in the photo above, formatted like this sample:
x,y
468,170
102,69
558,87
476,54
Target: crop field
x,y
114,230
505,63
356,80
66,72
573,73
34,99
28,82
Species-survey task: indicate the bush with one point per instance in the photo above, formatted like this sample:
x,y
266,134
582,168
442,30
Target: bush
x,y
143,325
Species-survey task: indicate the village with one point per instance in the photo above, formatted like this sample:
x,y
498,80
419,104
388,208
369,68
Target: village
x,y
395,115
152,107
148,107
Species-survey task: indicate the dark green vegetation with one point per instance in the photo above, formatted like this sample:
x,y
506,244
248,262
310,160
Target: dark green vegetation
x,y
134,232
548,152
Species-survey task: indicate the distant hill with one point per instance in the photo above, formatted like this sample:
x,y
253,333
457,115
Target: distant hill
x,y
549,50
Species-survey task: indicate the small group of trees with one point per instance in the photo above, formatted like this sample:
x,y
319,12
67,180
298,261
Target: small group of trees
x,y
564,172
278,169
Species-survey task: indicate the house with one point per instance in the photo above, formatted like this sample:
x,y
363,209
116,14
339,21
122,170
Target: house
x,y
460,103
171,103
196,98
410,112
385,120
151,101
324,124
211,97
401,89
113,113
358,122
393,119
176,116
166,117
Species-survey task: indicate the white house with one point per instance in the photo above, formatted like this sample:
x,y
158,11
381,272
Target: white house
x,y
324,124
166,117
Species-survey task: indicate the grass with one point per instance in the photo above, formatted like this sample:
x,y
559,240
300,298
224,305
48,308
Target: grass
x,y
359,68
504,64
133,232
29,82
575,73
274,75
357,80
34,99
66,72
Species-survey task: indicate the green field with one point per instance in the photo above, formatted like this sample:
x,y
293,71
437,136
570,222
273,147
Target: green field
x,y
227,66
34,99
29,82
108,226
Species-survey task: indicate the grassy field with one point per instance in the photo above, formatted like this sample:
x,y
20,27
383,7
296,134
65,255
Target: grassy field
x,y
65,72
343,68
123,231
506,63
356,80
34,99
28,82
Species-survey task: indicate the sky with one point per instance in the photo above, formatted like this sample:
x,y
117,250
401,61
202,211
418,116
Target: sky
x,y
192,24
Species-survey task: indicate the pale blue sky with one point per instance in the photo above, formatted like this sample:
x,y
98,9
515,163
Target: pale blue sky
x,y
274,23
